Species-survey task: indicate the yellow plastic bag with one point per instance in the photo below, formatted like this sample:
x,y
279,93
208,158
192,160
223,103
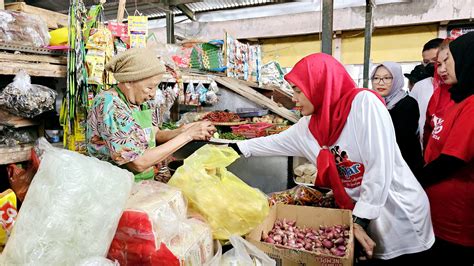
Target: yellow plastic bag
x,y
229,205
58,36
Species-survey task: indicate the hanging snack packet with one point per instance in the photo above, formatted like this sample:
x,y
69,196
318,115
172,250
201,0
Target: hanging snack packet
x,y
8,214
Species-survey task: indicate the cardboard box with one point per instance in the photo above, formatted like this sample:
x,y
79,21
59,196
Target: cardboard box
x,y
305,216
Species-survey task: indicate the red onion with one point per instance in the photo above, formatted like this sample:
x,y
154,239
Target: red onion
x,y
325,240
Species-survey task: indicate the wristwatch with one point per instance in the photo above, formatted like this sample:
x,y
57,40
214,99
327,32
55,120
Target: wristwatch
x,y
364,223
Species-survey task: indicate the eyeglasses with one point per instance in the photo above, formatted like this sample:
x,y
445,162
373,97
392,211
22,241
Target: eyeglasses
x,y
386,80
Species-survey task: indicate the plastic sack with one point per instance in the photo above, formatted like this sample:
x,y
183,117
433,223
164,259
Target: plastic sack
x,y
97,261
302,195
8,214
24,29
193,245
244,254
20,178
150,218
216,260
228,204
71,210
25,99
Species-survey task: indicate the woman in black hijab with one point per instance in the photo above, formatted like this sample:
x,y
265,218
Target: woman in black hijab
x,y
448,177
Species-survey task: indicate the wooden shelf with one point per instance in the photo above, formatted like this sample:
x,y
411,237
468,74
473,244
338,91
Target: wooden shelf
x,y
19,153
14,121
188,79
256,97
34,65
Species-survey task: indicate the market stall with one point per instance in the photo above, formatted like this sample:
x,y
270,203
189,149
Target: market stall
x,y
207,205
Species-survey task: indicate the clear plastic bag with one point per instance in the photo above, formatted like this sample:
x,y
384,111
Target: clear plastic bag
x,y
25,99
216,259
154,230
228,204
20,28
193,244
71,210
302,195
245,254
97,261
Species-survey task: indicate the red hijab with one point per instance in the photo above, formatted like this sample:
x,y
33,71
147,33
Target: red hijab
x,y
326,83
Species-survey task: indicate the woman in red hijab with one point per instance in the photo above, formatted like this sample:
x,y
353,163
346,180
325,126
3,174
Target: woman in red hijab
x,y
369,176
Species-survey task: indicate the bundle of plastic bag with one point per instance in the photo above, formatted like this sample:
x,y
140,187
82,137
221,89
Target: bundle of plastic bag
x,y
228,204
154,230
245,253
25,99
71,210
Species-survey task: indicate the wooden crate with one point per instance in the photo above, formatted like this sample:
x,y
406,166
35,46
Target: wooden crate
x,y
53,19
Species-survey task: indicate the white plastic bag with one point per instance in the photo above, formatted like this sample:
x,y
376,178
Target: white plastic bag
x,y
245,254
71,210
97,261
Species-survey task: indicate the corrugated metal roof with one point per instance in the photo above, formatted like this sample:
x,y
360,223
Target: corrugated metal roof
x,y
152,9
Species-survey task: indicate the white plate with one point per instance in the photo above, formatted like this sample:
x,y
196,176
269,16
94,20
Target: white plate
x,y
223,141
303,184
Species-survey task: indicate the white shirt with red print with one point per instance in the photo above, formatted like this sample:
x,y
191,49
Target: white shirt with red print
x,y
373,172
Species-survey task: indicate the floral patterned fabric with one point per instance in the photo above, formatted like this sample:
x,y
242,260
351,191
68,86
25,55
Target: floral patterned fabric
x,y
113,135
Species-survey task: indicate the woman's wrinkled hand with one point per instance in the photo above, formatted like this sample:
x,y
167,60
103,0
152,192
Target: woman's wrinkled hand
x,y
365,241
199,130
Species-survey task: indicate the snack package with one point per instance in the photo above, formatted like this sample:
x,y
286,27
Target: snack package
x,y
228,204
8,213
71,210
25,99
302,195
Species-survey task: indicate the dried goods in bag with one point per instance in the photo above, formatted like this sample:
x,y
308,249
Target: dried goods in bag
x,y
25,99
228,204
19,28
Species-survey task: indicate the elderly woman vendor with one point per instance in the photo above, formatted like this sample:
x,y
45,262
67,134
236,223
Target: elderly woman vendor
x,y
122,123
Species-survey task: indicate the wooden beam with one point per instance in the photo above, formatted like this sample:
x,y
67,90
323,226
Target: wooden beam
x,y
37,70
256,97
2,4
59,60
14,121
121,10
19,153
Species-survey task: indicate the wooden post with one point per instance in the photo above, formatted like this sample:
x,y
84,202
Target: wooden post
x,y
2,4
121,10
